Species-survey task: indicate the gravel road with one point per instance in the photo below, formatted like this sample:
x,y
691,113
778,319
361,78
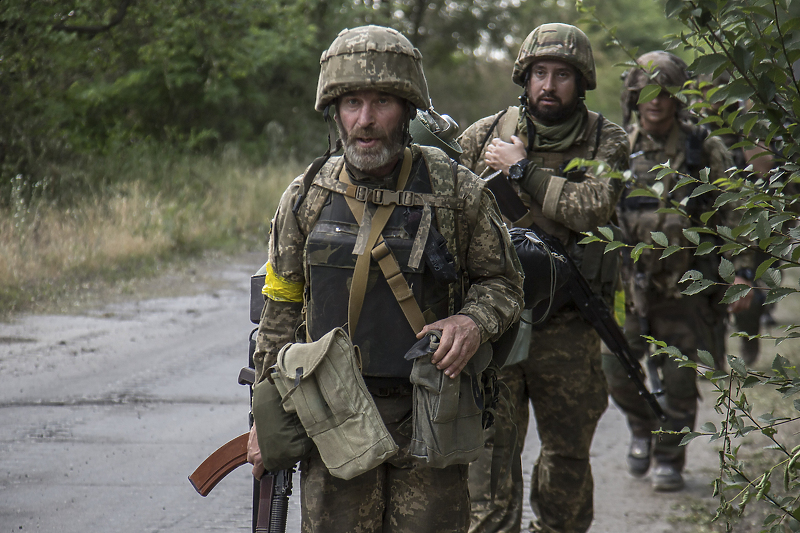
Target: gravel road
x,y
105,411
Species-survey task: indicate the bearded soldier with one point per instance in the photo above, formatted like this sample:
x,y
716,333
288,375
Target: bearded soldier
x,y
372,82
562,377
655,305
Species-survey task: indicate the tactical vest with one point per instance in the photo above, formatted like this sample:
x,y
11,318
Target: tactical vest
x,y
383,333
639,217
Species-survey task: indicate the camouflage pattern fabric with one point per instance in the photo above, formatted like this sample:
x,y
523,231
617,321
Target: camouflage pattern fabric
x,y
582,206
562,377
556,41
376,57
654,298
399,495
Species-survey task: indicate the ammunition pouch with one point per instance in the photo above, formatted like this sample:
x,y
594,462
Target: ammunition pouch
x,y
321,381
448,413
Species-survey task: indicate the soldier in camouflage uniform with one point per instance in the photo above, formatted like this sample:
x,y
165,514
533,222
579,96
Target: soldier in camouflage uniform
x,y
562,377
372,79
655,305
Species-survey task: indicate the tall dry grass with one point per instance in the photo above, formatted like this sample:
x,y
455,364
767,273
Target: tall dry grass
x,y
166,213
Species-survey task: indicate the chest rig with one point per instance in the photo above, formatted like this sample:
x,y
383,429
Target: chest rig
x,y
365,269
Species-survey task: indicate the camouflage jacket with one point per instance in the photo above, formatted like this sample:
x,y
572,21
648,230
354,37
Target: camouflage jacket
x,y
577,205
493,291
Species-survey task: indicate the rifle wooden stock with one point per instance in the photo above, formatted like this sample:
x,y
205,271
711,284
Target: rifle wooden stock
x,y
219,464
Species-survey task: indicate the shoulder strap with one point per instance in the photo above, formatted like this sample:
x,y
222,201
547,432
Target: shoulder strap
x,y
491,129
508,124
598,134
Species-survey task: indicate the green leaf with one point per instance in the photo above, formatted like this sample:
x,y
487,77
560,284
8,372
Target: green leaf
x,y
689,437
648,93
708,427
697,286
764,266
642,192
705,248
692,236
706,358
613,245
607,232
691,275
659,238
638,249
734,293
737,365
726,270
669,250
702,189
776,295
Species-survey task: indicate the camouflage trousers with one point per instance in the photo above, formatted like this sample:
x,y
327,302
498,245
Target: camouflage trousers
x,y
398,496
687,323
563,381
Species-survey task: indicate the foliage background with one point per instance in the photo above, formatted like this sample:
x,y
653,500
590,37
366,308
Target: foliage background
x,y
88,79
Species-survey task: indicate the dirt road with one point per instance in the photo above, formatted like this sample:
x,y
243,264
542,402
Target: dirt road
x,y
105,411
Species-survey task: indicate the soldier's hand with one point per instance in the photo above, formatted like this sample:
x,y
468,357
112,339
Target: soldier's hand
x,y
742,304
501,155
460,340
254,454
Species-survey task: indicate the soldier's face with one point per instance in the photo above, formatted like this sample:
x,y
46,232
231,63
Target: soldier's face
x,y
552,90
658,115
371,125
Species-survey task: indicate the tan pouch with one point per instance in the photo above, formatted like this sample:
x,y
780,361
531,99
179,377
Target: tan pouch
x,y
321,381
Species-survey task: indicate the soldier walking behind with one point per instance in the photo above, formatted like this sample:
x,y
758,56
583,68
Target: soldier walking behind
x,y
655,305
372,82
562,377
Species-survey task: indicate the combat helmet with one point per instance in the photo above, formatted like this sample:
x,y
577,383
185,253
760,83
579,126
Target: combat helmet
x,y
372,57
556,41
656,68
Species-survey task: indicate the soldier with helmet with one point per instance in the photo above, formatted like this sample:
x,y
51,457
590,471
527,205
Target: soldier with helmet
x,y
385,190
655,304
562,376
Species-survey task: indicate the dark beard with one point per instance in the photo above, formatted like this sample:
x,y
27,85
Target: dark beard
x,y
551,116
367,159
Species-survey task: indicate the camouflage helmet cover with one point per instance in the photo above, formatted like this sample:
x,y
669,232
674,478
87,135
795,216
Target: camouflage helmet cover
x,y
556,41
656,68
372,57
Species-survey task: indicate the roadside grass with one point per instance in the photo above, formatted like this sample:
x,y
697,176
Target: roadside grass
x,y
150,213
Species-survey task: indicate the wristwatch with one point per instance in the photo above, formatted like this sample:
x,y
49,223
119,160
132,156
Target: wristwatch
x,y
517,170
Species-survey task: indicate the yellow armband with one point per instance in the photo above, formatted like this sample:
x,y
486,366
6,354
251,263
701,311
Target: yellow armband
x,y
281,289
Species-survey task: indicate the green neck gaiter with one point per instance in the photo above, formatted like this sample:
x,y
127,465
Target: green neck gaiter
x,y
558,137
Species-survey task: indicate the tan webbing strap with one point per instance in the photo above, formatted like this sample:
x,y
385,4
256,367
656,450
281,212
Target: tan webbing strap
x,y
508,124
402,292
358,286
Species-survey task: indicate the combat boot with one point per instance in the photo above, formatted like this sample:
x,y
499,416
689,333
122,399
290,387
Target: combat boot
x,y
639,455
666,478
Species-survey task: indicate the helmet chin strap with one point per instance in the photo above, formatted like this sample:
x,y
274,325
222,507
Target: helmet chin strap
x,y
412,112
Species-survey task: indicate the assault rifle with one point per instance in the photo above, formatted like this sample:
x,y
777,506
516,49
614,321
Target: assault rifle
x,y
592,308
271,493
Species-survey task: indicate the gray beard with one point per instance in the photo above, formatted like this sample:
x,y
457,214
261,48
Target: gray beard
x,y
367,159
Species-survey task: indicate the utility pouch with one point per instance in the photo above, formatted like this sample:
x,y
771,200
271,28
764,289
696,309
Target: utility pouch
x,y
321,381
448,413
281,437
